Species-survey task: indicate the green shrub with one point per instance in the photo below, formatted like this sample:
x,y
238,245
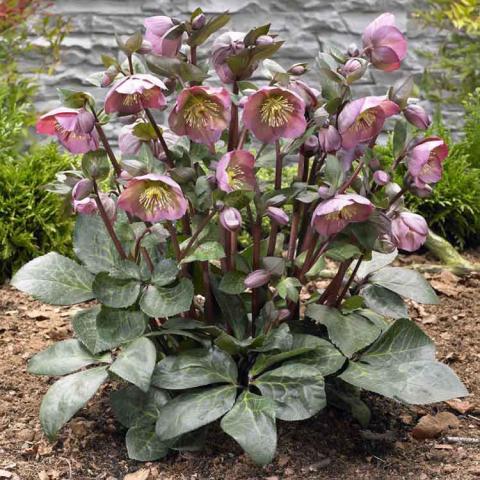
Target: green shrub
x,y
30,222
453,210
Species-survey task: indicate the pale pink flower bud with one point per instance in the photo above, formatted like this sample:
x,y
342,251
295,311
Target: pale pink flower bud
x,y
409,231
87,206
145,48
231,219
311,145
199,21
380,177
277,215
257,278
417,116
82,189
264,40
297,70
354,69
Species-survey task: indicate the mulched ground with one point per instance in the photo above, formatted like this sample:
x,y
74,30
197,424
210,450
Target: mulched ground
x,y
329,446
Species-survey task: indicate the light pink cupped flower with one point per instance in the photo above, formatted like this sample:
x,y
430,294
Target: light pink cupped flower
x,y
417,116
384,44
425,161
333,215
272,113
133,94
201,113
236,171
362,120
75,129
153,198
409,231
156,32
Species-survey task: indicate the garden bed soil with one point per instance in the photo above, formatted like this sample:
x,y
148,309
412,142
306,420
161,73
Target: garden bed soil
x,y
330,446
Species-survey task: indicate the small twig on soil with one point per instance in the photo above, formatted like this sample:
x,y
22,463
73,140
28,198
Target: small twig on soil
x,y
69,467
474,417
468,440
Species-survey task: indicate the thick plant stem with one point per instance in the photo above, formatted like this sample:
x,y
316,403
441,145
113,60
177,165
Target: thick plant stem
x,y
233,130
348,182
197,232
329,296
108,223
107,147
349,282
193,54
207,292
173,236
272,240
158,132
297,211
257,238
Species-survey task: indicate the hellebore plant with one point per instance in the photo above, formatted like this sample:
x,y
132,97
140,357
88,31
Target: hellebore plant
x,y
196,267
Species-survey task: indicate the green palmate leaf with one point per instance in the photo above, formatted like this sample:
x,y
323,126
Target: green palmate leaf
x,y
126,269
322,354
195,368
264,361
132,406
164,273
342,251
378,261
350,333
334,173
211,26
144,445
401,365
115,327
64,357
206,252
54,279
68,395
406,283
384,301
399,137
192,410
136,363
84,325
167,302
251,422
92,244
298,390
288,288
232,283
115,292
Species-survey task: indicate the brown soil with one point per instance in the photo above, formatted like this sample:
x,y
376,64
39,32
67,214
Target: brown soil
x,y
329,446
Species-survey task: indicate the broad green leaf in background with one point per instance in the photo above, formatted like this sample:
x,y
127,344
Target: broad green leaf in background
x,y
192,410
115,327
251,422
195,368
378,261
55,279
84,325
342,251
278,339
232,283
297,389
144,445
167,301
133,406
384,301
207,251
406,283
164,273
64,357
401,365
350,333
115,292
68,395
136,362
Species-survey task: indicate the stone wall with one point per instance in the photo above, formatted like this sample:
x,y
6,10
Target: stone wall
x,y
304,24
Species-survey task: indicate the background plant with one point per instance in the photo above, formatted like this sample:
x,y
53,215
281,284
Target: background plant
x,y
193,326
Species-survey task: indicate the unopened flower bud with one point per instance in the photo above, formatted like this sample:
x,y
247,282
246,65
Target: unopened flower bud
x,y
264,40
277,215
417,116
87,206
324,192
409,231
311,145
257,278
85,121
109,205
109,76
283,314
321,116
134,168
82,189
354,69
145,48
199,21
380,177
298,69
392,190
329,139
353,50
231,219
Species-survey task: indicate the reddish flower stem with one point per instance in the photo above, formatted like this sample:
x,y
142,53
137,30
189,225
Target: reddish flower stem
x,y
349,282
158,132
207,291
297,212
348,182
233,130
103,138
272,240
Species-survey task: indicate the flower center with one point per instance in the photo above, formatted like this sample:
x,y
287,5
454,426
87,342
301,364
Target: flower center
x,y
155,196
275,110
365,120
235,177
137,98
198,111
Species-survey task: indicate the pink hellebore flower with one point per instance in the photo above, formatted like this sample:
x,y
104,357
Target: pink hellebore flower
x,y
157,29
362,120
201,113
235,171
230,219
308,94
272,113
409,231
425,161
75,129
153,198
329,139
333,215
384,43
133,94
417,116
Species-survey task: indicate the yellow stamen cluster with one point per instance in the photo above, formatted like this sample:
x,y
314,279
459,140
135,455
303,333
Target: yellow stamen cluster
x,y
345,213
275,110
71,134
365,120
234,175
136,98
155,196
199,111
